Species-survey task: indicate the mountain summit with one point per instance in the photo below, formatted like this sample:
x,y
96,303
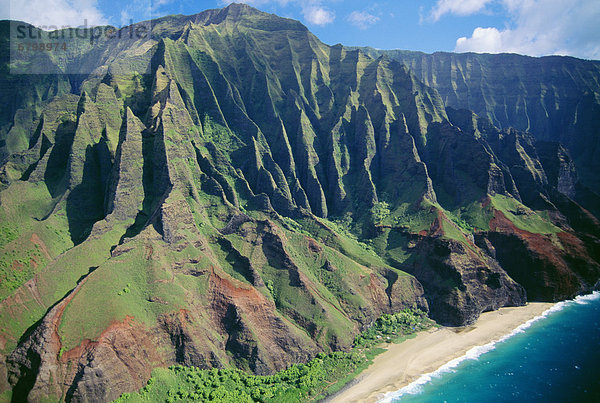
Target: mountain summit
x,y
237,14
228,191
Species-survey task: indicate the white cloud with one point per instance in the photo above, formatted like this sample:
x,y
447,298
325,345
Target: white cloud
x,y
126,18
541,27
362,19
53,13
159,3
318,15
489,39
457,7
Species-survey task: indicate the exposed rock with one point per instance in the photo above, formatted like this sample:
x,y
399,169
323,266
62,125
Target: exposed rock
x,y
518,152
559,167
463,165
547,272
33,369
460,284
553,98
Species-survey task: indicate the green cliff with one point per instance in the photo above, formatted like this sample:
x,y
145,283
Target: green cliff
x,y
554,98
230,192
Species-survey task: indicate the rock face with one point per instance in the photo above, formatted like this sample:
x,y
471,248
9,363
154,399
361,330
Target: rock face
x,y
460,284
546,272
554,98
230,191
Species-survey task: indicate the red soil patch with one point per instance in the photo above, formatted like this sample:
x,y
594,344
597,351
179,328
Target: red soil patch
x,y
234,289
538,243
377,290
16,266
148,252
436,228
35,239
572,244
87,344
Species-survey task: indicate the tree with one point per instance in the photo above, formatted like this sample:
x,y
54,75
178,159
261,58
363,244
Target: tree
x,y
380,211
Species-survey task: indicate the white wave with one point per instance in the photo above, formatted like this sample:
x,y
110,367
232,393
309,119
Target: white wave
x,y
586,299
416,387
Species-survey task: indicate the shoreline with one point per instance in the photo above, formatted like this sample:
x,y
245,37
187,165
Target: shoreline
x,y
431,349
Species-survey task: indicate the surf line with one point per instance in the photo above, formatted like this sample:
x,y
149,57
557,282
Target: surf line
x,y
416,387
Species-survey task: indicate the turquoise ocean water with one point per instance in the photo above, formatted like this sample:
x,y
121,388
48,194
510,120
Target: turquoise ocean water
x,y
552,358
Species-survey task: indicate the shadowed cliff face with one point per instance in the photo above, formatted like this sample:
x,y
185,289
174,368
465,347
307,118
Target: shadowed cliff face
x,y
230,191
554,98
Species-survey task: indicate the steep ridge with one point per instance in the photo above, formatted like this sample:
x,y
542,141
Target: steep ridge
x,y
238,193
554,98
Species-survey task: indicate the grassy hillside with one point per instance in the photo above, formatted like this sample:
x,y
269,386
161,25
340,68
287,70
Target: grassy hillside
x,y
231,193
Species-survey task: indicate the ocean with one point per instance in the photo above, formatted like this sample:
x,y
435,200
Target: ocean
x,y
551,358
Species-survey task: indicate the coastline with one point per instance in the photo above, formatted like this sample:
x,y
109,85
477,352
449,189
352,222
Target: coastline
x,y
405,362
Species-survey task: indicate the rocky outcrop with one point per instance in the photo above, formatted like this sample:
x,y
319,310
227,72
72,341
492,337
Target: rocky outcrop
x,y
120,360
549,267
464,166
460,283
559,167
518,152
554,98
33,367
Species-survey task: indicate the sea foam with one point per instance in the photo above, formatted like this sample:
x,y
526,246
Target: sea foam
x,y
416,387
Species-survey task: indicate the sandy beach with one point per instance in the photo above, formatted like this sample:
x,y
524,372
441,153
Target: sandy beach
x,y
403,363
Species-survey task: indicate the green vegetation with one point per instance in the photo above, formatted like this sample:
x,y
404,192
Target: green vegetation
x,y
17,267
414,219
473,216
296,384
139,187
130,291
463,224
7,234
323,375
344,225
393,328
220,135
380,211
523,217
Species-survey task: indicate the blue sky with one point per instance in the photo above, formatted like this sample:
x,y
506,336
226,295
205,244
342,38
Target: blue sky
x,y
533,27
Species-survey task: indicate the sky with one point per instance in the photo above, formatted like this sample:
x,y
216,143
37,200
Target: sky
x,y
531,27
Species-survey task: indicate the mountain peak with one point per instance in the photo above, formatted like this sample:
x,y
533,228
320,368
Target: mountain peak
x,y
245,15
239,10
241,7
